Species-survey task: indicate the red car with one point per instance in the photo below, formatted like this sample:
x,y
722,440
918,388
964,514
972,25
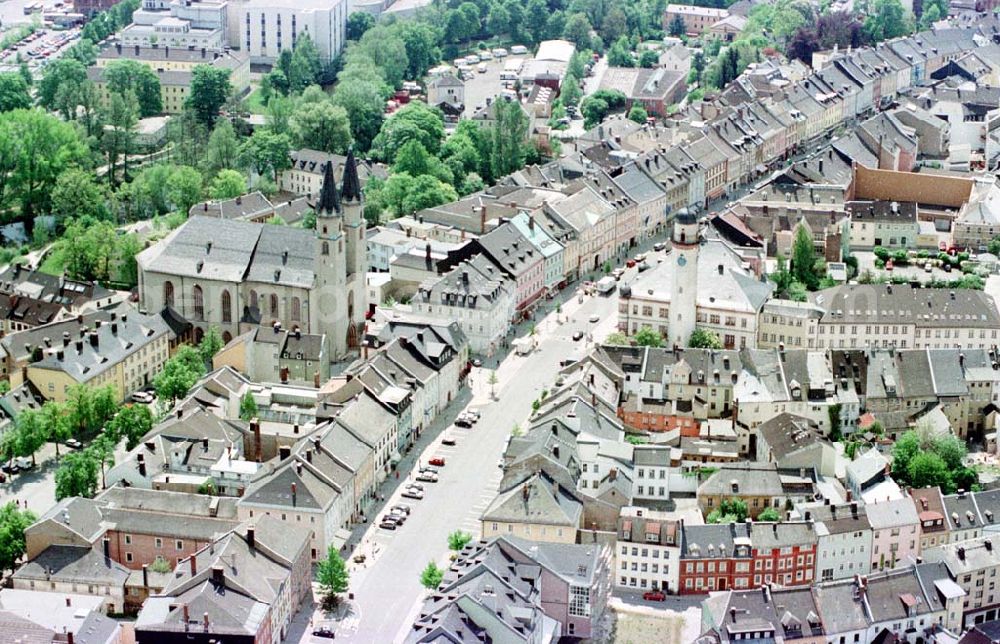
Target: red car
x,y
654,596
630,263
437,460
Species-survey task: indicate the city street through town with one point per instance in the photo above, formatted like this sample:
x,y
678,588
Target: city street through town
x,y
387,590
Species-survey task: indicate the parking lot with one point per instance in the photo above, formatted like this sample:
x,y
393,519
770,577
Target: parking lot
x,y
485,85
38,49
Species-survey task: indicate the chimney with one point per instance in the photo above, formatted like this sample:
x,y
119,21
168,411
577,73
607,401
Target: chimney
x,y
142,465
205,622
284,374
145,575
107,547
218,575
180,413
114,328
316,379
187,617
255,428
194,565
295,497
284,452
69,602
251,537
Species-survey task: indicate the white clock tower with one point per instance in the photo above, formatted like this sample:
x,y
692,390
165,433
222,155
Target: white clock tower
x,y
684,289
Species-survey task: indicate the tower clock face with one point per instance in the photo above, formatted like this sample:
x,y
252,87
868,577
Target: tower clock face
x,y
681,260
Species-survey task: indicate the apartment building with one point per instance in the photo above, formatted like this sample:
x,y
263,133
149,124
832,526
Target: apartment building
x,y
647,551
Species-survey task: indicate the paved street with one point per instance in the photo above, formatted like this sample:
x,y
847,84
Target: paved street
x,y
387,591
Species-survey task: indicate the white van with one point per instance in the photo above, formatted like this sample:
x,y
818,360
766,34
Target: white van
x,y
499,52
485,55
481,68
472,59
518,50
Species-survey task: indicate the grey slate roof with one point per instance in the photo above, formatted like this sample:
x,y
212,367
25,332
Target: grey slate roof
x,y
73,564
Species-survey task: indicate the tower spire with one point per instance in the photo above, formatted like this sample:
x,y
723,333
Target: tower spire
x,y
329,200
351,188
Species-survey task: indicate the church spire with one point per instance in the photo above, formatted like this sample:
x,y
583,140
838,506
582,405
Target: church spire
x,y
351,188
329,200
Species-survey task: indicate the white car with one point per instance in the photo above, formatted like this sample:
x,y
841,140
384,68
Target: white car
x,y
143,397
481,68
472,59
485,55
499,52
518,49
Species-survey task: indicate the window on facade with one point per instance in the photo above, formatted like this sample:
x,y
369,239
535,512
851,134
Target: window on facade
x,y
296,309
227,307
199,302
274,305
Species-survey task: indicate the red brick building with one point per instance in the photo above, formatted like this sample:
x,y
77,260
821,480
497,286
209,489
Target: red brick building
x,y
714,557
783,553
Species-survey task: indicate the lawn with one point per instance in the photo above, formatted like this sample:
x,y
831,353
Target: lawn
x,y
254,103
55,260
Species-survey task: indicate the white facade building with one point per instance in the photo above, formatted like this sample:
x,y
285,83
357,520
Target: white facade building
x,y
647,550
267,27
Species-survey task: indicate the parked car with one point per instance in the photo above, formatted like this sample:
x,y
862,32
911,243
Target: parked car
x,y
427,477
428,468
463,421
928,267
644,267
324,632
481,68
477,363
641,257
437,460
594,319
10,468
448,440
387,525
654,596
499,52
518,50
577,336
630,263
617,273
402,508
415,486
142,397
73,443
475,414
23,463
412,494
658,246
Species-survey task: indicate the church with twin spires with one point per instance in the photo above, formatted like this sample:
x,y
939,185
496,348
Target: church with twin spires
x,y
237,275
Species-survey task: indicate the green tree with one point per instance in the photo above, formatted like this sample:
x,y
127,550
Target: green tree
x,y
29,434
59,87
278,114
358,23
266,152
570,92
638,113
305,65
647,337
887,19
648,59
210,344
75,194
56,426
332,575
124,75
383,47
704,339
617,339
91,249
620,54
76,476
578,30
223,149
179,374
677,28
13,522
184,188
248,407
458,540
362,92
228,184
432,576
321,126
508,138
209,91
804,258
769,514
132,422
415,121
928,469
118,139
35,148
732,510
427,191
14,93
